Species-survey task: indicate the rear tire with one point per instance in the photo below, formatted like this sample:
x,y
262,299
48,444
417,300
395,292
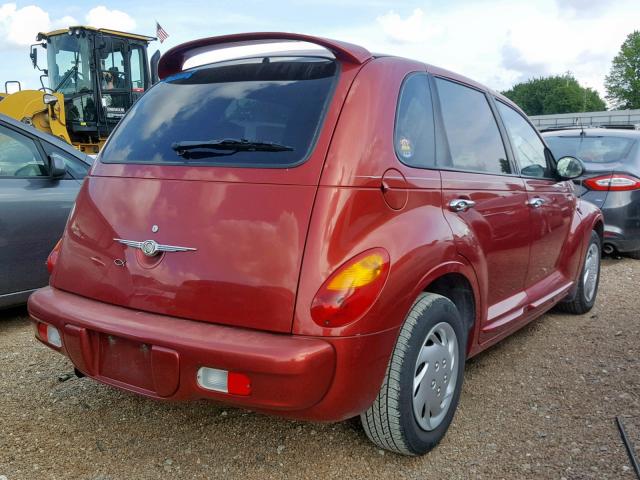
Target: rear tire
x,y
420,392
587,291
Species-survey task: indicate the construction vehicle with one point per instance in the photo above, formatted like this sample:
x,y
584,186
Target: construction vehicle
x,y
94,76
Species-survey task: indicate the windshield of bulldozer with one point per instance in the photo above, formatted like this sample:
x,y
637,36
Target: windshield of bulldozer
x,y
69,59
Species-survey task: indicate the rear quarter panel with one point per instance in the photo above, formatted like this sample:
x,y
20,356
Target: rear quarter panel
x,y
350,213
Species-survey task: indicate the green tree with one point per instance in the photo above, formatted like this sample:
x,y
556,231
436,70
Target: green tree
x,y
555,94
623,81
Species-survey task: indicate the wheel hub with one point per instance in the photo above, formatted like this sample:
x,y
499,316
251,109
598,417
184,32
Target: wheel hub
x,y
591,269
435,376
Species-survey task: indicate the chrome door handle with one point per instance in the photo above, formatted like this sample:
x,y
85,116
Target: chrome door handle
x,y
536,202
461,204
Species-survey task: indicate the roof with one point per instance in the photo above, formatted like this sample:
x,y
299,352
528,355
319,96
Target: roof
x,y
135,36
61,144
594,132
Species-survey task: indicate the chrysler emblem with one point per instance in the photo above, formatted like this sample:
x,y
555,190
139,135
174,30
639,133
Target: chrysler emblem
x,y
151,248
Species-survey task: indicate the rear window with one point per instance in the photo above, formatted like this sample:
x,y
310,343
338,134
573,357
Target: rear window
x,y
591,149
270,102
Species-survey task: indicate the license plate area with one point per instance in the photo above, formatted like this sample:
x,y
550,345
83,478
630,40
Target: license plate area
x,y
126,361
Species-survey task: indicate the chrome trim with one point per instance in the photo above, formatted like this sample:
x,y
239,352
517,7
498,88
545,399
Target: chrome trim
x,y
461,204
536,202
151,248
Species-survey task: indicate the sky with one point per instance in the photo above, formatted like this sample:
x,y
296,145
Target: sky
x,y
496,42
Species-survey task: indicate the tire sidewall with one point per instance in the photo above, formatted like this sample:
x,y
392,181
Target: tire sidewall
x,y
440,310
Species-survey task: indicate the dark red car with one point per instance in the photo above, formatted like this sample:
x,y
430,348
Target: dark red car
x,y
315,235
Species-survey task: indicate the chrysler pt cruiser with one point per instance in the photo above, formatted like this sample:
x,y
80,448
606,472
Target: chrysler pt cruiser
x,y
317,235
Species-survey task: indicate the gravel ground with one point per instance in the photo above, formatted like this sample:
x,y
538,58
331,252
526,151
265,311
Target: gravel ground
x,y
541,404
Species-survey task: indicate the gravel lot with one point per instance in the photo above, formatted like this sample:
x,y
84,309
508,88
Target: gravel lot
x,y
541,404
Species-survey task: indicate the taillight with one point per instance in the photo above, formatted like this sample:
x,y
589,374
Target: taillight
x,y
49,334
351,290
223,381
53,257
615,183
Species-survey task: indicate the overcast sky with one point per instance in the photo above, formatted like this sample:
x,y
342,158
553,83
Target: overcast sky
x,y
497,42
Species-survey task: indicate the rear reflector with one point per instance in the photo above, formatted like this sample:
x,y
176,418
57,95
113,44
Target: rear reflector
x,y
614,183
49,334
53,257
224,381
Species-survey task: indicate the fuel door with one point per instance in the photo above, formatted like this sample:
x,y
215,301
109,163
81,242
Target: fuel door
x,y
394,189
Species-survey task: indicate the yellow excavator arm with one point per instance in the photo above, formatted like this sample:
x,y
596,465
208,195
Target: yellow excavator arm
x,y
28,106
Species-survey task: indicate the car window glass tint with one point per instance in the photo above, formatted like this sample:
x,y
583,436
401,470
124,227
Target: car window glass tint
x,y
474,139
527,146
19,156
273,100
591,149
414,132
136,59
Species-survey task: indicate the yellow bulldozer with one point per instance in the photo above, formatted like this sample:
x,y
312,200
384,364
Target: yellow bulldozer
x,y
94,76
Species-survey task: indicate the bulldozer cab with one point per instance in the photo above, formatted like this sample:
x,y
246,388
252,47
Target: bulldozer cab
x,y
100,73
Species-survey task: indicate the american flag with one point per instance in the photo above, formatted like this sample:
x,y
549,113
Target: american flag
x,y
161,33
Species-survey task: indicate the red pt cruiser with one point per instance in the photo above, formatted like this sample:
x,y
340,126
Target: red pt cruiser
x,y
315,234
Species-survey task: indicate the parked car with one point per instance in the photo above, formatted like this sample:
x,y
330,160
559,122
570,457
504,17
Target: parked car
x,y
316,236
40,177
611,180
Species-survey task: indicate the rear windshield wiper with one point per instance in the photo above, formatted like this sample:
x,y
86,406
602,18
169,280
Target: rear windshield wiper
x,y
230,145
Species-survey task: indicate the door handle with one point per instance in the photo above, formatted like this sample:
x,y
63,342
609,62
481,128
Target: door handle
x,y
461,204
536,202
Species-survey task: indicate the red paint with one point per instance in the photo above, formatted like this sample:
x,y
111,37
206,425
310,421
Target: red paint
x,y
53,257
268,240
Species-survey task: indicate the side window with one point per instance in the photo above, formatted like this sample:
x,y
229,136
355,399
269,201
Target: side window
x,y
137,69
19,156
474,139
75,167
112,69
414,136
527,146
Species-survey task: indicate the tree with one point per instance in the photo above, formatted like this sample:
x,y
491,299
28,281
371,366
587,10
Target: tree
x,y
623,81
555,94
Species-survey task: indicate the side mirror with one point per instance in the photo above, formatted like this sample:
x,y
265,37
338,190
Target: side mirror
x,y
34,56
49,99
58,166
155,59
569,168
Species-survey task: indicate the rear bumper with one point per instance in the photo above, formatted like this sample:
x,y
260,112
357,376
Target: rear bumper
x,y
159,356
621,211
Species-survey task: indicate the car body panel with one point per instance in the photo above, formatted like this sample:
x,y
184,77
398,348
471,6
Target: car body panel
x,y
493,236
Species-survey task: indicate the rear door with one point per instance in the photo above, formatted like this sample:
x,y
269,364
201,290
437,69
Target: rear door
x,y
551,203
484,202
33,211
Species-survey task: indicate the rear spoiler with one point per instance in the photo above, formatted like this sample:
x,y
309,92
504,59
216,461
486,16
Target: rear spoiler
x,y
174,59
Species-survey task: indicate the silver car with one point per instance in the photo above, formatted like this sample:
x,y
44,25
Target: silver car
x,y
40,176
611,179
